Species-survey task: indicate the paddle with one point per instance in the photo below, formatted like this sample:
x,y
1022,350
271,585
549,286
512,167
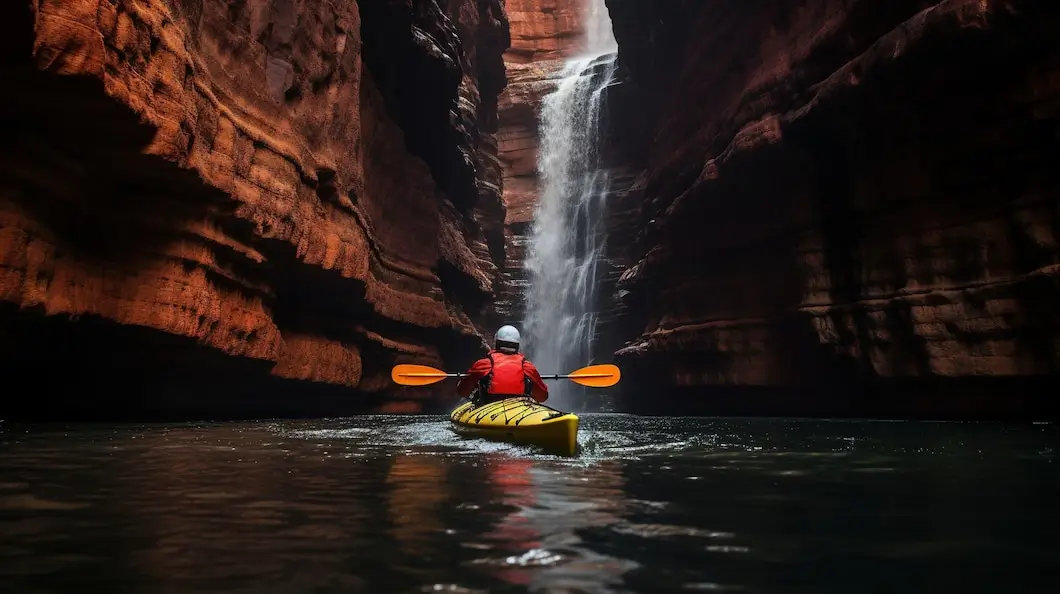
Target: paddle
x,y
593,376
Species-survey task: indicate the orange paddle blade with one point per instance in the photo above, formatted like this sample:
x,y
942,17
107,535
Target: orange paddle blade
x,y
596,376
418,375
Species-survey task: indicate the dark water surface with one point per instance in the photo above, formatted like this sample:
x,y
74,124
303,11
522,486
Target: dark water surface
x,y
400,504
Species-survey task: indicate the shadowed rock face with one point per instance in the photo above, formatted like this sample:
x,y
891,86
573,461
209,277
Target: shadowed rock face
x,y
251,206
845,207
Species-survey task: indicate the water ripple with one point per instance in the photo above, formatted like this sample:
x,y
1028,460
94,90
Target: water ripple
x,y
402,504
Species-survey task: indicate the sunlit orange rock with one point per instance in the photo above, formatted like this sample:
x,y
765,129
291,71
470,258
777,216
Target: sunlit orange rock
x,y
248,182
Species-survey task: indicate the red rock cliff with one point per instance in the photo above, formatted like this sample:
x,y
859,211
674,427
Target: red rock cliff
x,y
247,207
543,34
846,207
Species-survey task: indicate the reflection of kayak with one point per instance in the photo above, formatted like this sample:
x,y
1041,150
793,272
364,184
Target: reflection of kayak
x,y
519,421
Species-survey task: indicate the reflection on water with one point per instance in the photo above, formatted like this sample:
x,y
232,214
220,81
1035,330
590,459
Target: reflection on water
x,y
401,504
538,539
416,489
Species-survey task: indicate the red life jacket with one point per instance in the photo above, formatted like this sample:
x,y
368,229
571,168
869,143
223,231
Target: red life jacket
x,y
506,376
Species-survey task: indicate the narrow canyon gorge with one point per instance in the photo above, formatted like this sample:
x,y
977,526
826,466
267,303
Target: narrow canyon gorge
x,y
219,208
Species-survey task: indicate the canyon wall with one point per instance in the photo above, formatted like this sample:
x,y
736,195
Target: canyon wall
x,y
543,34
842,207
245,208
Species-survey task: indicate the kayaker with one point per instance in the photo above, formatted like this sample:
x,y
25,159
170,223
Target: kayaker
x,y
503,373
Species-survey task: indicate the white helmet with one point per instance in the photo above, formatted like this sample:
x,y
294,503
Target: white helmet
x,y
507,334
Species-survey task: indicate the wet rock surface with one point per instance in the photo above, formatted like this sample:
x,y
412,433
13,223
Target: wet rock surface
x,y
844,208
255,206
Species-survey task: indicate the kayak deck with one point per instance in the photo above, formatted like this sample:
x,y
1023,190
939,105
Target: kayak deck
x,y
521,421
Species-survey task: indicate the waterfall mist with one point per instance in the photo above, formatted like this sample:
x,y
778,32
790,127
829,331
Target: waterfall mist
x,y
567,235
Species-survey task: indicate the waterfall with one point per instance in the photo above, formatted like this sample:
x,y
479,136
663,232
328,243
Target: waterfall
x,y
567,236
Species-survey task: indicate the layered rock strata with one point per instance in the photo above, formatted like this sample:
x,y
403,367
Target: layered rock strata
x,y
543,34
846,207
249,207
543,30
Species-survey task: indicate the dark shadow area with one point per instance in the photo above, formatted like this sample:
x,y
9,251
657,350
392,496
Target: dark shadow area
x,y
1025,398
463,289
91,369
316,301
842,230
408,49
934,130
313,300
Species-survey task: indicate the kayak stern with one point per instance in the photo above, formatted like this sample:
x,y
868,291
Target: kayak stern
x,y
519,421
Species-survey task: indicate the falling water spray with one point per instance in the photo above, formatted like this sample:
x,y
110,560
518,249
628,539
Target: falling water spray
x,y
567,235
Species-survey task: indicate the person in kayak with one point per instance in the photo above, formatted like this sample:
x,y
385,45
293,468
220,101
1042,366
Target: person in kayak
x,y
503,373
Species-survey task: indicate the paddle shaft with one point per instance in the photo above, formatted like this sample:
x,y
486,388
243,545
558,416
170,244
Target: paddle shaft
x,y
594,376
544,377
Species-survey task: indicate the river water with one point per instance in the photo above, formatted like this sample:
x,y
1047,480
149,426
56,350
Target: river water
x,y
400,504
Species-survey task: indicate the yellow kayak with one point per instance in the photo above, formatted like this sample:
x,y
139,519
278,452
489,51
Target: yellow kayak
x,y
521,421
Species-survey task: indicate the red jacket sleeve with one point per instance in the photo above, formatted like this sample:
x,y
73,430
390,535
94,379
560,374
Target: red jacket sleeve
x,y
538,389
469,381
